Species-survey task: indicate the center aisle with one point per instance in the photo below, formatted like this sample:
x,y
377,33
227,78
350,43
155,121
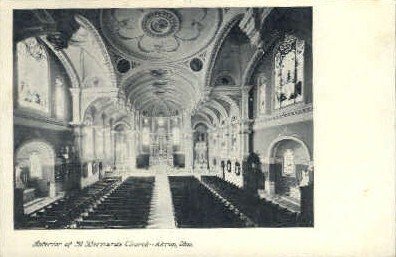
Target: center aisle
x,y
161,212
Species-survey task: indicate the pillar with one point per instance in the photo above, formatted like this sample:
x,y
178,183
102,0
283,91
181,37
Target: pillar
x,y
131,149
107,144
188,137
76,98
112,148
78,139
273,170
245,124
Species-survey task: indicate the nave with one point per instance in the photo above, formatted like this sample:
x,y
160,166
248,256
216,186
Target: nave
x,y
196,202
163,118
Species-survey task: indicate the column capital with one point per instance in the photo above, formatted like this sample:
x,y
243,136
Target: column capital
x,y
246,88
75,91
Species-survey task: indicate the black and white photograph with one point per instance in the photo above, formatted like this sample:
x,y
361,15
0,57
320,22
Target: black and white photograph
x,y
163,118
197,128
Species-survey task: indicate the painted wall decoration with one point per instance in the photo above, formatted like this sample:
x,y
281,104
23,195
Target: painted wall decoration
x,y
33,75
159,34
289,72
261,95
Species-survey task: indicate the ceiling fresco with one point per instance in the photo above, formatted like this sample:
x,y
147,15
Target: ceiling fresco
x,y
160,35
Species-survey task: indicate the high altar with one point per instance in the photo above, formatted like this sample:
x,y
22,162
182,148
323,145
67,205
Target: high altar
x,y
161,148
159,140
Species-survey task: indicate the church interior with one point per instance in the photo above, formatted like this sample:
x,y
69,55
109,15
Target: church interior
x,y
163,118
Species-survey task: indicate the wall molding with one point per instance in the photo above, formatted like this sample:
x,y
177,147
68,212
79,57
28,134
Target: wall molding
x,y
283,117
39,121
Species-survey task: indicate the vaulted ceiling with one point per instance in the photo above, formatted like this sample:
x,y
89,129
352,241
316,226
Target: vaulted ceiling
x,y
165,56
165,60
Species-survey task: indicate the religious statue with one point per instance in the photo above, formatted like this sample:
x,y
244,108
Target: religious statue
x,y
305,176
18,177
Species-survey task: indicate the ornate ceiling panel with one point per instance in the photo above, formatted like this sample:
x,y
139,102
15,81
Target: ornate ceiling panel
x,y
161,89
160,35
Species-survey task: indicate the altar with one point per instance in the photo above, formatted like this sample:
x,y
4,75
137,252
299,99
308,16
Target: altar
x,y
161,153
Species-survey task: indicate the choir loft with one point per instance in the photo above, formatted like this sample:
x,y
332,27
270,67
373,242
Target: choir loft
x,y
163,118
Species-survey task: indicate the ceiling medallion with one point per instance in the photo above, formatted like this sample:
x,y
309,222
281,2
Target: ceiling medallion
x,y
161,35
196,64
123,65
160,23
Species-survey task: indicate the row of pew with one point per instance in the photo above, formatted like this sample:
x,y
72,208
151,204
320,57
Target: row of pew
x,y
128,206
262,212
196,207
63,212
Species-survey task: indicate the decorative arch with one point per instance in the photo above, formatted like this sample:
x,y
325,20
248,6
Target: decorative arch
x,y
198,121
67,64
272,146
122,123
247,74
105,55
216,49
257,57
44,168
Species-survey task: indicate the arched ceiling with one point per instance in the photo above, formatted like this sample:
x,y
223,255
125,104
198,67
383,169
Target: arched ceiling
x,y
169,56
172,49
104,109
159,90
160,35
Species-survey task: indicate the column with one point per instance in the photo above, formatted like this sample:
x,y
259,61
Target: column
x,y
112,146
76,98
131,149
87,143
188,137
78,139
244,129
107,144
103,133
92,144
273,168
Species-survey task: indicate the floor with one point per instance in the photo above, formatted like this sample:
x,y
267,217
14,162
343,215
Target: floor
x,y
162,212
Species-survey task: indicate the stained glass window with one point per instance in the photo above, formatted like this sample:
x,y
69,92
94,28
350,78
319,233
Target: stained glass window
x,y
289,72
288,163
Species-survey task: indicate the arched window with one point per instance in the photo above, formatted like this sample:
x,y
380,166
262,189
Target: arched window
x,y
33,75
289,72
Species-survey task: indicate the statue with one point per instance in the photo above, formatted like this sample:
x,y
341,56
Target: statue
x,y
18,177
305,176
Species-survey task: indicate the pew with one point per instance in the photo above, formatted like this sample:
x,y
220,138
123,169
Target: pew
x,y
127,206
261,211
196,207
63,212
